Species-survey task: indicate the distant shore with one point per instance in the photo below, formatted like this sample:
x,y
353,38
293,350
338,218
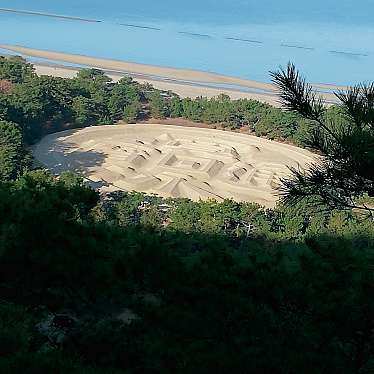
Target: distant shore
x,y
43,14
184,82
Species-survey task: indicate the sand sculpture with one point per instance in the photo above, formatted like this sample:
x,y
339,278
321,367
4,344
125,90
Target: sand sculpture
x,y
174,161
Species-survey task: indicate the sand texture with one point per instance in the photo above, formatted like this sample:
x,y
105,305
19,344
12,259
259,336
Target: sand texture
x,y
173,161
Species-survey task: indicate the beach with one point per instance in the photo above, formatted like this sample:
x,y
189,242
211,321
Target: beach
x,y
184,82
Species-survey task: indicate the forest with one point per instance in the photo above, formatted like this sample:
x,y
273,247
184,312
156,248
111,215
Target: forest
x,y
134,283
47,104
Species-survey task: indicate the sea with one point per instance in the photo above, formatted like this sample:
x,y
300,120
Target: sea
x,y
330,41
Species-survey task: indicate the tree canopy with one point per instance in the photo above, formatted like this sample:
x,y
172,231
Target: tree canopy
x,y
15,69
346,142
45,104
13,156
136,283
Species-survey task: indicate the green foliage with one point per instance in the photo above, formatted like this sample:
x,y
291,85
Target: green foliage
x,y
125,210
83,110
276,294
46,104
125,99
175,107
265,120
27,203
92,79
152,217
3,107
275,126
344,136
95,85
13,157
40,105
157,105
162,300
132,112
185,216
229,218
15,69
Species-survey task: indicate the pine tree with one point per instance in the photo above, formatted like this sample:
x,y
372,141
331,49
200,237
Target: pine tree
x,y
345,172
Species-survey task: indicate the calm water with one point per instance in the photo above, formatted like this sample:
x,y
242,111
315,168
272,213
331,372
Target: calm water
x,y
331,41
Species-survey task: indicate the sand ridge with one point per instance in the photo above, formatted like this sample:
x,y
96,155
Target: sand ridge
x,y
110,64
173,161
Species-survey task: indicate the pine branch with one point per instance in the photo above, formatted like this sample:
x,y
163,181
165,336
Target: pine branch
x,y
359,104
298,96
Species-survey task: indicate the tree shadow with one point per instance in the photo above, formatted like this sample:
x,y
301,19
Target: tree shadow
x,y
59,157
197,300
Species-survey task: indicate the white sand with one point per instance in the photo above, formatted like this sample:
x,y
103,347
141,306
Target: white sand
x,y
173,161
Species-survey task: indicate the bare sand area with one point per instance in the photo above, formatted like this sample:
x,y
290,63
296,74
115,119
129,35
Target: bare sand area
x,y
173,161
184,82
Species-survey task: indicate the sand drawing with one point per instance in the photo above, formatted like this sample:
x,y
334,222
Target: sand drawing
x,y
174,161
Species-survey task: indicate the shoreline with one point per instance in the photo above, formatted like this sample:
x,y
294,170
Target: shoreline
x,y
51,15
184,82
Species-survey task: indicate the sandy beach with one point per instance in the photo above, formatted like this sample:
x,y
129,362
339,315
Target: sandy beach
x,y
184,82
173,161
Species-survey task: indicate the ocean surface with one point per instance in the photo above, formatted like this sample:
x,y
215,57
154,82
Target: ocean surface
x,y
330,41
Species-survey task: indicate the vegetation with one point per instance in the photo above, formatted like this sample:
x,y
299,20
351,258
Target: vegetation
x,y
13,156
139,284
41,105
15,69
45,104
130,283
346,171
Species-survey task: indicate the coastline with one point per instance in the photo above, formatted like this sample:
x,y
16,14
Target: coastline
x,y
184,82
51,15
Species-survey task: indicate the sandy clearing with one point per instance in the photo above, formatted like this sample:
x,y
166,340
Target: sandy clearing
x,y
173,161
184,82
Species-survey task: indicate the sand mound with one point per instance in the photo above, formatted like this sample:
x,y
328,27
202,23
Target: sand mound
x,y
173,161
